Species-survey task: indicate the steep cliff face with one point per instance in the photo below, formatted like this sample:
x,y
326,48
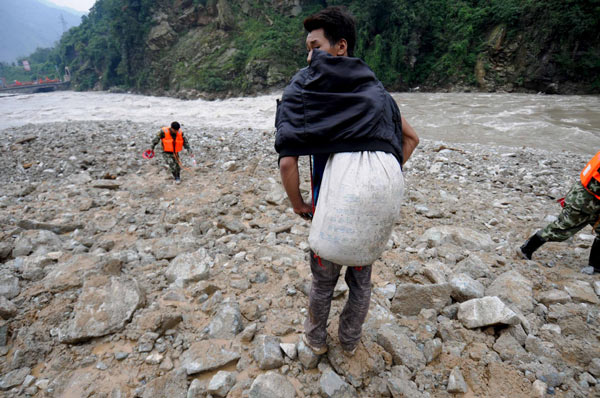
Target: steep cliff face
x,y
221,48
527,61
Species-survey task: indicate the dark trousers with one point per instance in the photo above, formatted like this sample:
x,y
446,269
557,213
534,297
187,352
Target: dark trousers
x,y
172,163
325,276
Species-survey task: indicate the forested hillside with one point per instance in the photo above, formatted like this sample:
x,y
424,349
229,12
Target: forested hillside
x,y
229,47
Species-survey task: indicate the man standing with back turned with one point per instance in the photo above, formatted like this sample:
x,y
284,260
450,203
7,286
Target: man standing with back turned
x,y
333,107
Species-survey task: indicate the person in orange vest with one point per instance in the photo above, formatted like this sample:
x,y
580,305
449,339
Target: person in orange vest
x,y
581,207
173,141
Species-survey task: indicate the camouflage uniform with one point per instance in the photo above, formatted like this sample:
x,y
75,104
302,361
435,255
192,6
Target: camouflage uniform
x,y
169,157
581,208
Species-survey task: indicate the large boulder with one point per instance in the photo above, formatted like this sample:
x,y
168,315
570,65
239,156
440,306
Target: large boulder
x,y
410,298
333,386
513,288
105,306
465,288
267,352
227,323
9,286
486,311
208,355
404,351
272,385
172,385
459,236
189,267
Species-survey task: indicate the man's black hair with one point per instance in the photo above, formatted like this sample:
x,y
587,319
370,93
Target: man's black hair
x,y
175,126
337,24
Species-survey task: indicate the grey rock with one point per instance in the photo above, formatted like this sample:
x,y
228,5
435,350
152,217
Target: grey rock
x,y
473,266
484,312
56,228
290,350
456,382
333,386
513,288
539,389
541,348
388,291
403,388
596,286
432,349
69,274
105,306
594,367
106,184
554,296
267,352
404,351
465,288
32,267
459,236
9,286
307,357
196,390
14,378
189,267
5,250
169,248
221,383
410,299
172,385
508,347
7,308
22,247
272,385
227,323
248,333
3,334
581,291
208,355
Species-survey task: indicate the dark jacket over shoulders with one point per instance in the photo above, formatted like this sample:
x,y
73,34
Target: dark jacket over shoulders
x,y
337,105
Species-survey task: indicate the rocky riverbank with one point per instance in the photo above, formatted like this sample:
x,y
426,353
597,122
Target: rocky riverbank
x,y
114,282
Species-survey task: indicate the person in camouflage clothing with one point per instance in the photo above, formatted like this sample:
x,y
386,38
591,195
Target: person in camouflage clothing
x,y
581,208
173,141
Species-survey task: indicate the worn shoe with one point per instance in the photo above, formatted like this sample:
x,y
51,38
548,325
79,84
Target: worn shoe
x,y
317,350
350,353
177,181
530,246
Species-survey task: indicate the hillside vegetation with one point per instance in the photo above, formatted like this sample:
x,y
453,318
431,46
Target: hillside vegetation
x,y
193,48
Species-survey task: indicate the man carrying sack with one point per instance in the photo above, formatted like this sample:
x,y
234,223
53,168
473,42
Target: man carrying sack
x,y
339,113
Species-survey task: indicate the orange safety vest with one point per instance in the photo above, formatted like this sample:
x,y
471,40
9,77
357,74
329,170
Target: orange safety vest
x,y
167,142
591,171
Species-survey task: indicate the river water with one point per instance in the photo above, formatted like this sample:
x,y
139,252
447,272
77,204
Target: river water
x,y
556,123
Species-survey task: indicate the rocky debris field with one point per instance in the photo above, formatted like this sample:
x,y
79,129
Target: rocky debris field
x,y
115,282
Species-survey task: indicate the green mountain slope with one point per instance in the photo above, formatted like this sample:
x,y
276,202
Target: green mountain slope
x,y
193,48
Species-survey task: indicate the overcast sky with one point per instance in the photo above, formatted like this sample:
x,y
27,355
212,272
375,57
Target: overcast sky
x,y
79,5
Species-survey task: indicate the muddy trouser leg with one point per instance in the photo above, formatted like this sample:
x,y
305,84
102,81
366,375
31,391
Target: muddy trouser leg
x,y
324,279
172,163
580,209
355,311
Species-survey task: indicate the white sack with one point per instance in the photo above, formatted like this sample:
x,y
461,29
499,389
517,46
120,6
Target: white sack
x,y
359,203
